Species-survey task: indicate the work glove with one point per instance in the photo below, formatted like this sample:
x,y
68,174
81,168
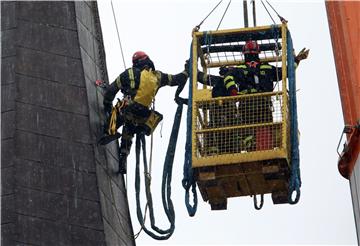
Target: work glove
x,y
223,70
186,65
107,108
303,54
234,92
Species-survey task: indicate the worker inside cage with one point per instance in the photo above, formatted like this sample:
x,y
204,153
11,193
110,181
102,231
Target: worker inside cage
x,y
255,76
251,77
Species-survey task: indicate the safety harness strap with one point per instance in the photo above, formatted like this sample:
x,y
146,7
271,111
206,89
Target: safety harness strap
x,y
132,78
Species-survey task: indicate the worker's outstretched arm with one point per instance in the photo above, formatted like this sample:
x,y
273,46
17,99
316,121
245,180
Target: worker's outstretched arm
x,y
277,72
173,80
303,54
206,79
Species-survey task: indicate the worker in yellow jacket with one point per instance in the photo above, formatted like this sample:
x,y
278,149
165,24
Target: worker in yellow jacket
x,y
139,85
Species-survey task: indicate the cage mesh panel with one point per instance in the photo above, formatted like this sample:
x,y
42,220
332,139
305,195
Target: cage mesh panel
x,y
236,55
238,124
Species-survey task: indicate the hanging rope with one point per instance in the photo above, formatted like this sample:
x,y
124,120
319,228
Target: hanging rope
x,y
117,31
198,26
148,175
295,181
280,17
276,34
166,178
188,179
223,15
246,19
254,12
268,12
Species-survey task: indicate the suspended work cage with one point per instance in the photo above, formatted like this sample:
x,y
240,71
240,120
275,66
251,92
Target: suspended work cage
x,y
240,144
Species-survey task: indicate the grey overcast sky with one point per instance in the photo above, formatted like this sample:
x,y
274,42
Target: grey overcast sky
x,y
324,214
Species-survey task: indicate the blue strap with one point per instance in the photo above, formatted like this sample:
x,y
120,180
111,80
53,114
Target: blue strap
x,y
166,181
188,180
295,181
140,143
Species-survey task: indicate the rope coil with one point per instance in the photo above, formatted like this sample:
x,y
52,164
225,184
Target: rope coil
x,y
188,179
166,178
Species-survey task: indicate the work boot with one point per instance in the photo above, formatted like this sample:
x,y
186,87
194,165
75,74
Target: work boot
x,y
106,138
122,163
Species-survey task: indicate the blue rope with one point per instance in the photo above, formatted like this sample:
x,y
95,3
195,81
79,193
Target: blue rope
x,y
188,179
295,181
166,181
168,165
140,143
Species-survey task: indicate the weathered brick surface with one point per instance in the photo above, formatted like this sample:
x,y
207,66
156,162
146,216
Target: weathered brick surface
x,y
7,124
7,180
8,20
7,42
37,231
7,152
8,97
112,196
52,151
52,95
8,70
86,39
59,180
8,209
58,186
54,123
58,14
62,69
50,39
85,14
93,237
7,233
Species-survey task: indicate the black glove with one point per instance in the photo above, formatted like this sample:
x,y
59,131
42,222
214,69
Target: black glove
x,y
223,70
186,66
107,108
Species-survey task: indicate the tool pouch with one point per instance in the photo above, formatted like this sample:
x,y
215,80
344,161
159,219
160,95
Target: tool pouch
x,y
152,122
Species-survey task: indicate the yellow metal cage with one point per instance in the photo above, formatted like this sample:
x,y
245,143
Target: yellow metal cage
x,y
240,144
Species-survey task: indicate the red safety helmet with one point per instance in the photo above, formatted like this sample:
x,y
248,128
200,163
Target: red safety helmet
x,y
251,47
139,56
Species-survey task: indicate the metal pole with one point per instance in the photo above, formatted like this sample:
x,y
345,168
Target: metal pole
x,y
254,12
246,21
